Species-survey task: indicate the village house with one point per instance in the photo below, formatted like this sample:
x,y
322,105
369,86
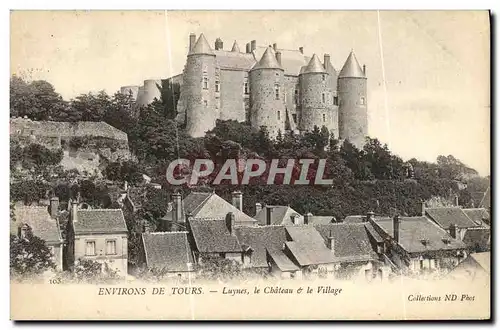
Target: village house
x,y
417,244
40,221
168,252
204,205
99,235
268,215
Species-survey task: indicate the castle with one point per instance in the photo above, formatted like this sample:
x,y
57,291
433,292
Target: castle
x,y
281,89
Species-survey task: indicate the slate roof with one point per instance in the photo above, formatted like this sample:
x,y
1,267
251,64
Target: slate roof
x,y
279,216
321,219
361,218
262,239
351,68
307,246
445,216
414,230
169,251
38,218
477,215
201,46
351,241
213,236
100,221
314,66
268,61
282,261
234,60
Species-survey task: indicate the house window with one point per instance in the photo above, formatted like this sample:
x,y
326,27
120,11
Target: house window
x,y
245,86
323,97
324,117
217,86
277,91
362,101
335,100
421,264
111,247
205,82
279,115
90,248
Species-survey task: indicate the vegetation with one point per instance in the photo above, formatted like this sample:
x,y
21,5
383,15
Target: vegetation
x,y
29,256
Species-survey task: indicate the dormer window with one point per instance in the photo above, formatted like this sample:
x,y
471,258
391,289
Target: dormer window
x,y
425,242
446,241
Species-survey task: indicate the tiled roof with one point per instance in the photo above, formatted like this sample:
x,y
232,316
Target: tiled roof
x,y
477,239
477,215
234,60
38,218
167,250
483,259
282,261
260,239
415,231
213,236
351,68
314,66
350,240
445,216
279,216
100,221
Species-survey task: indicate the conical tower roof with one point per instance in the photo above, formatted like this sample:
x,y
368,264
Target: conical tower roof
x,y
235,48
202,47
351,68
268,61
314,66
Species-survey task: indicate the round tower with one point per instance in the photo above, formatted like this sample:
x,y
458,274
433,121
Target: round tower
x,y
151,90
316,97
267,94
352,93
199,89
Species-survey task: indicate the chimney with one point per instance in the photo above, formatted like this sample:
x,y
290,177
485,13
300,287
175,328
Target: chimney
x,y
453,230
331,243
177,207
54,206
219,44
192,41
278,57
258,208
456,201
74,211
395,227
370,216
364,69
253,45
422,207
237,200
230,219
301,50
275,47
307,218
269,215
326,61
125,186
249,50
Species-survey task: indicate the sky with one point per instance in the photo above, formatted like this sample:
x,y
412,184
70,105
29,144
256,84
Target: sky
x,y
428,71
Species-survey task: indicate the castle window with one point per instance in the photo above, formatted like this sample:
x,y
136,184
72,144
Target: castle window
x,y
205,102
324,117
217,86
279,115
245,87
335,100
205,82
296,96
323,97
277,91
324,77
362,101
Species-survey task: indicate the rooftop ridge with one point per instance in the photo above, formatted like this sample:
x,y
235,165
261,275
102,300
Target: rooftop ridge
x,y
166,233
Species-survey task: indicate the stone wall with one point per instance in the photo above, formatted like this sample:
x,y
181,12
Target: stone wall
x,y
232,95
317,102
353,116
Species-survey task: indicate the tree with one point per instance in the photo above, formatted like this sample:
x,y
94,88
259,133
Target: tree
x,y
123,171
29,256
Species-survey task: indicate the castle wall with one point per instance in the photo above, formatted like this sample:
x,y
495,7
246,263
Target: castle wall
x,y
232,105
201,112
353,116
317,102
150,91
292,85
266,110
